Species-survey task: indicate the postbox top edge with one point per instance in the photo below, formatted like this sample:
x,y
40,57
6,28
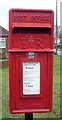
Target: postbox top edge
x,y
30,10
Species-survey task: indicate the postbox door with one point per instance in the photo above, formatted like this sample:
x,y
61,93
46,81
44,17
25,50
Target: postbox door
x,y
32,99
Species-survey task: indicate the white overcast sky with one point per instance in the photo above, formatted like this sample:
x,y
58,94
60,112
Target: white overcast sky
x,y
6,5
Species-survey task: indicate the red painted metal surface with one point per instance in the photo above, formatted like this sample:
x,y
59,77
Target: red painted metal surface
x,y
30,31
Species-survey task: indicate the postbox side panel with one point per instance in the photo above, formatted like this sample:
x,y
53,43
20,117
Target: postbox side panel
x,y
50,80
12,83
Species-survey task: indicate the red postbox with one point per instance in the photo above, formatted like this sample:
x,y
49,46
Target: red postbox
x,y
30,60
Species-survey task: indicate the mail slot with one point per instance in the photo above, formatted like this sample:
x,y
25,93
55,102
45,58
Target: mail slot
x,y
30,60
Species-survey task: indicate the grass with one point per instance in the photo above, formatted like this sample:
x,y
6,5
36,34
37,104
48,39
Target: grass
x,y
60,49
0,93
61,85
55,113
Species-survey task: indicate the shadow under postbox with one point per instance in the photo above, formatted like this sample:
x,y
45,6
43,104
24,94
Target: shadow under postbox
x,y
30,60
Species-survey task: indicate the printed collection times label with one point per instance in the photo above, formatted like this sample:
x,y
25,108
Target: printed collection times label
x,y
31,78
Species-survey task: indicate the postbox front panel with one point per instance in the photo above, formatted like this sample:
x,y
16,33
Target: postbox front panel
x,y
30,60
31,93
31,29
31,38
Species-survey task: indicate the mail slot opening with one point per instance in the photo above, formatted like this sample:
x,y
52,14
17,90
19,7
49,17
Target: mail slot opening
x,y
31,30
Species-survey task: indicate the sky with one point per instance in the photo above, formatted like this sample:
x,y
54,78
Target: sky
x,y
6,5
